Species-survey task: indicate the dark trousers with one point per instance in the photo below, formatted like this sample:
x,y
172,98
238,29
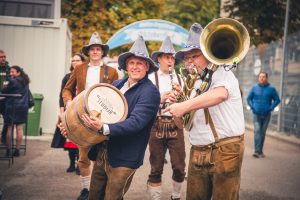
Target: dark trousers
x,y
107,182
215,171
165,135
73,156
261,123
4,129
4,133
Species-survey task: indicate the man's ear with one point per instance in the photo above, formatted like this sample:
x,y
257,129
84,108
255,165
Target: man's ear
x,y
159,58
147,66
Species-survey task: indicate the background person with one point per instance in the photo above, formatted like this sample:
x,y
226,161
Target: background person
x,y
262,99
165,134
83,77
58,140
4,76
16,109
4,70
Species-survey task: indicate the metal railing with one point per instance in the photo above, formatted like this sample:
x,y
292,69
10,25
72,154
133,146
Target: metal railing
x,y
269,58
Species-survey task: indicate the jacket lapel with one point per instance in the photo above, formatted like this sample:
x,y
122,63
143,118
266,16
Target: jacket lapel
x,y
101,73
83,75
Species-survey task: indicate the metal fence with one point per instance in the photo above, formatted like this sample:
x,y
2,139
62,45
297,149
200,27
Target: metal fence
x,y
269,58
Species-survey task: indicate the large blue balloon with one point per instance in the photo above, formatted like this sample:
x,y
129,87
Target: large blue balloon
x,y
151,30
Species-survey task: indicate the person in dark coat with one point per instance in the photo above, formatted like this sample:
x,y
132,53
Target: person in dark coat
x,y
4,76
58,140
16,109
4,69
118,158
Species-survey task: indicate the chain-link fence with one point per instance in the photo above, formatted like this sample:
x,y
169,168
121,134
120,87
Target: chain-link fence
x,y
269,58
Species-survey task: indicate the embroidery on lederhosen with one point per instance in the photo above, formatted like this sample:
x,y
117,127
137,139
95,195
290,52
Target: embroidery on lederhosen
x,y
165,126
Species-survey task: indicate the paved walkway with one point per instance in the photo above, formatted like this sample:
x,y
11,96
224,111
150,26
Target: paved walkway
x,y
40,174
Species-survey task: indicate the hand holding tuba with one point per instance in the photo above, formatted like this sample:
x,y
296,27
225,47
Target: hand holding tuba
x,y
224,42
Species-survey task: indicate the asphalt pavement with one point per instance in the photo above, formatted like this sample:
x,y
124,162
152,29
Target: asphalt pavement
x,y
40,174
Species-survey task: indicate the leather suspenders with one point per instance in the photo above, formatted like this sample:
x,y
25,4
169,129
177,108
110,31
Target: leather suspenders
x,y
208,120
105,74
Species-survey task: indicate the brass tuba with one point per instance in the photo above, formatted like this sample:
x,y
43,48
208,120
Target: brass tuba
x,y
224,42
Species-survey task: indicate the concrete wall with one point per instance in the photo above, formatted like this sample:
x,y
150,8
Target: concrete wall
x,y
43,48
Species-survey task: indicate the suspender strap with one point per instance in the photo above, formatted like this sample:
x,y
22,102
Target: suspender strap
x,y
178,78
208,119
157,85
105,74
156,80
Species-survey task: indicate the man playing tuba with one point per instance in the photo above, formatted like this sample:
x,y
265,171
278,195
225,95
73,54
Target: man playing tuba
x,y
217,133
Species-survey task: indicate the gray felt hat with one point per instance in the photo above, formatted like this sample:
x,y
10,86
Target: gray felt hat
x,y
138,49
193,41
95,40
166,47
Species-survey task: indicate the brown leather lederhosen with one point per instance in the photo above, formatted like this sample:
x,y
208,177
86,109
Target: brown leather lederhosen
x,y
166,135
205,158
214,170
165,124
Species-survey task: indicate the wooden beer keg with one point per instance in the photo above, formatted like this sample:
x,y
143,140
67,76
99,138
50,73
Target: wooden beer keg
x,y
101,100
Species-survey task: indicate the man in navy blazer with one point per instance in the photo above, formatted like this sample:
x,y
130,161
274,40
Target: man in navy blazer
x,y
119,157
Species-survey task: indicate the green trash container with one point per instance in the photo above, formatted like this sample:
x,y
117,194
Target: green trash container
x,y
34,116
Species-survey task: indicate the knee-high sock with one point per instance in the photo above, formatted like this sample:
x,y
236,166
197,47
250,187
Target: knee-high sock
x,y
85,181
176,193
154,192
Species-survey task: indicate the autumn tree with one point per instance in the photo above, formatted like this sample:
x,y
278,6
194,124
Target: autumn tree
x,y
185,13
106,17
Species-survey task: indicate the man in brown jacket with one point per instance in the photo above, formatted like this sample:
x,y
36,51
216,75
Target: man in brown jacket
x,y
83,77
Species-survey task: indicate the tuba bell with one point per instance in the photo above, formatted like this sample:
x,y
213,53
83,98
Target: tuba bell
x,y
224,42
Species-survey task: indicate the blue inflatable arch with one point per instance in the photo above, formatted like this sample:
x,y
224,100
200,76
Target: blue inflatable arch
x,y
151,30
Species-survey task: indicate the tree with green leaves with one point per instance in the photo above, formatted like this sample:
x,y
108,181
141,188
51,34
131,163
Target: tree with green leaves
x,y
264,19
185,13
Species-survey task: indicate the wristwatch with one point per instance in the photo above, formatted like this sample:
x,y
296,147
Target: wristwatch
x,y
100,131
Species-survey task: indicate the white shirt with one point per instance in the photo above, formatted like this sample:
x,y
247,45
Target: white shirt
x,y
126,87
228,116
92,75
164,81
